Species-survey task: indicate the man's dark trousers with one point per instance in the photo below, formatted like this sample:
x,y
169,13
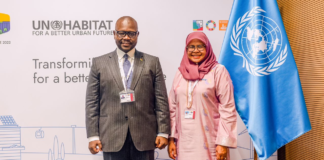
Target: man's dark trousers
x,y
129,152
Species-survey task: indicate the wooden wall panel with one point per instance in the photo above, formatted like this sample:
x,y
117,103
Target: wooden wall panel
x,y
304,23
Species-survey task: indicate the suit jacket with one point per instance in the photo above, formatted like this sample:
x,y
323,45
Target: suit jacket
x,y
109,119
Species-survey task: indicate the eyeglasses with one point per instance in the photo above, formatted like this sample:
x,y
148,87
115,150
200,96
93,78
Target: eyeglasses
x,y
122,34
193,48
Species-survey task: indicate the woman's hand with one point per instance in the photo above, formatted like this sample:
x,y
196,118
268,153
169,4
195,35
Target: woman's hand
x,y
221,152
172,149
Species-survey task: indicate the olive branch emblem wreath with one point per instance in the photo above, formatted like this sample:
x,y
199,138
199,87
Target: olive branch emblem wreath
x,y
235,41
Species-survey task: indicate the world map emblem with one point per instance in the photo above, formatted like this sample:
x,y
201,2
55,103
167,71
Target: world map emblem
x,y
56,25
258,40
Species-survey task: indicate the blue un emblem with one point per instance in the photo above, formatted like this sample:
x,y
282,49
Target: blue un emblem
x,y
258,40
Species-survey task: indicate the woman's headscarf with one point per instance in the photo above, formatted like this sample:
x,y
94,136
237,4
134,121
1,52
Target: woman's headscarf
x,y
192,71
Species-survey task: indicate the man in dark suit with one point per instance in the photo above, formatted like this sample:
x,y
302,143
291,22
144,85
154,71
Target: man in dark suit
x,y
127,111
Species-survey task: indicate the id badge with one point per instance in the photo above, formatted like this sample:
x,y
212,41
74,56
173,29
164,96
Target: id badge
x,y
189,114
127,96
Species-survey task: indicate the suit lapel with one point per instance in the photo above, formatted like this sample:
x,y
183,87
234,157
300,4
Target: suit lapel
x,y
113,66
138,67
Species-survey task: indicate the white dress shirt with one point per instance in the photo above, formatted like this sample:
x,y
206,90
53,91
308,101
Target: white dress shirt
x,y
121,61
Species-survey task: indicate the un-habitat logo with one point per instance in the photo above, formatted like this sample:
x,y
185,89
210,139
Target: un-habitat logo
x,y
258,40
72,27
4,23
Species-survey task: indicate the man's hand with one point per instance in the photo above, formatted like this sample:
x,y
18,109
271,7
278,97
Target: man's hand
x,y
95,146
161,142
221,152
172,149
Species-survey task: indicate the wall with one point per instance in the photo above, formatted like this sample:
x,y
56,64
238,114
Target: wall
x,y
43,106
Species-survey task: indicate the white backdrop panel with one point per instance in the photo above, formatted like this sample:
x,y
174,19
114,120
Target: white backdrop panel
x,y
48,118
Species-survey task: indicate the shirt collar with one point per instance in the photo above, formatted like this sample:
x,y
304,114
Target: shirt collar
x,y
121,53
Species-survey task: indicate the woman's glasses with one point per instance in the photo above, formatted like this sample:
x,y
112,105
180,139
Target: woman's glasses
x,y
193,48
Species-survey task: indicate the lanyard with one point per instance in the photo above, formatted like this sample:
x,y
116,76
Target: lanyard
x,y
125,78
190,90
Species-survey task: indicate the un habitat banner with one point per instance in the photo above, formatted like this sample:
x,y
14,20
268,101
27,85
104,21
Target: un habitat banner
x,y
46,53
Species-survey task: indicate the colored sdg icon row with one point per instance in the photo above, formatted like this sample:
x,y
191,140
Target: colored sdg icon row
x,y
198,25
4,23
